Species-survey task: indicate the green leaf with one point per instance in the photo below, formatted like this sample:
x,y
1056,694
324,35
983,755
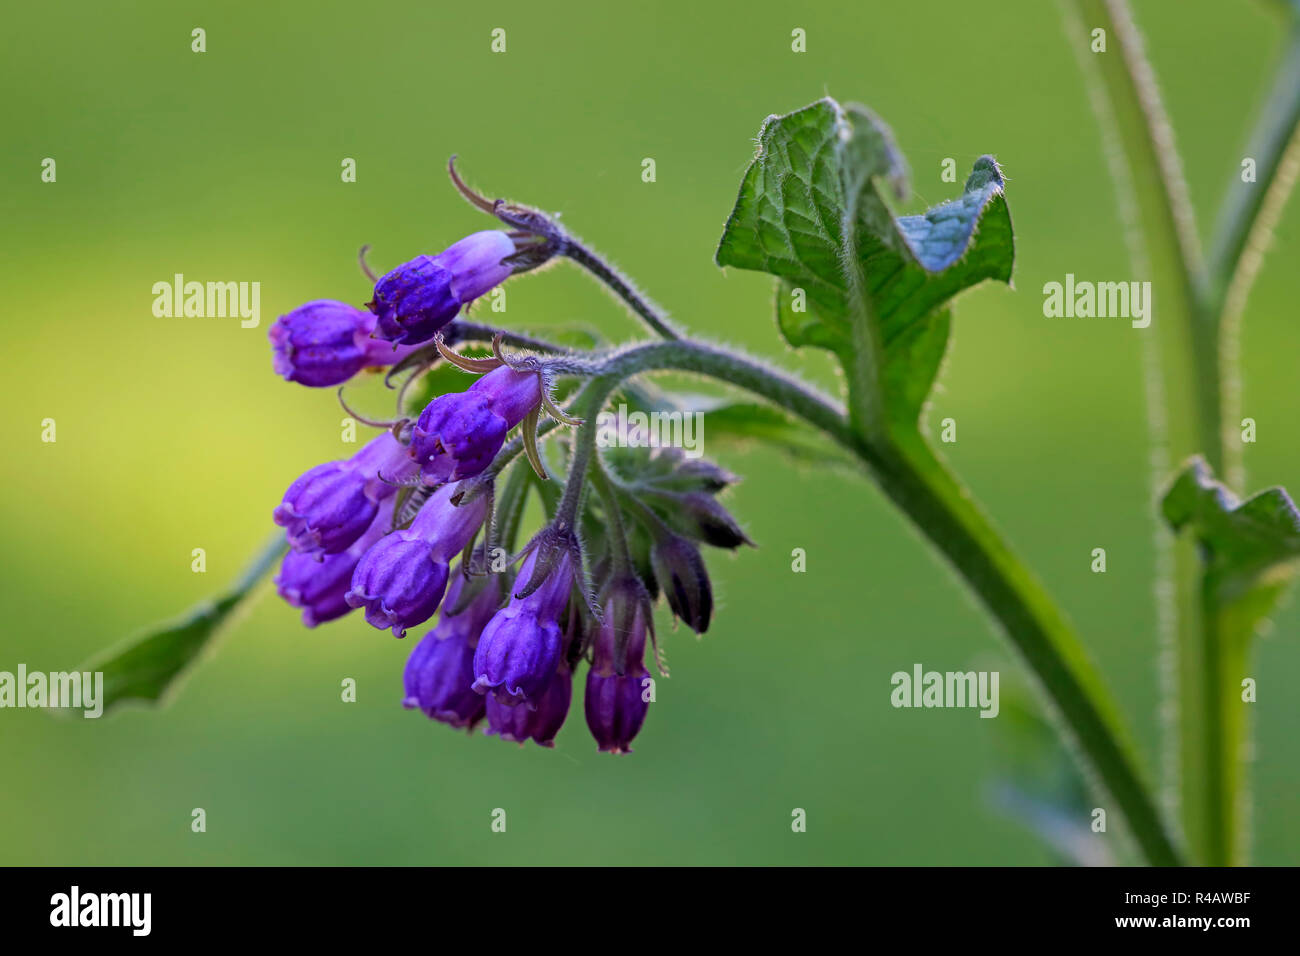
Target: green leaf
x,y
145,668
1251,549
811,211
855,279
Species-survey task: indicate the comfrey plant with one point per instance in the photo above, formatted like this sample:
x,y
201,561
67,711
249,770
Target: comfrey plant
x,y
427,520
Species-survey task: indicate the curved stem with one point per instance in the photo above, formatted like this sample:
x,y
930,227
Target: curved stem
x,y
1183,386
463,331
945,513
620,553
1160,231
926,492
1244,219
653,316
584,449
727,365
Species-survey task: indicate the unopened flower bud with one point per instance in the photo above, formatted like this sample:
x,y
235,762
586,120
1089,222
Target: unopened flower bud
x,y
520,722
522,644
439,675
418,298
325,343
683,579
400,580
330,506
458,434
319,583
615,701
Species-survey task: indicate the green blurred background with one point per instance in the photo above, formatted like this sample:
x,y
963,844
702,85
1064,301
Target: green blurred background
x,y
173,433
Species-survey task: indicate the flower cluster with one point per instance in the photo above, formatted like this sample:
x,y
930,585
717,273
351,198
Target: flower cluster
x,y
414,522
325,343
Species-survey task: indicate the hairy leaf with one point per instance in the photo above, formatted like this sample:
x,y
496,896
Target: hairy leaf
x,y
874,289
1250,551
812,211
1251,548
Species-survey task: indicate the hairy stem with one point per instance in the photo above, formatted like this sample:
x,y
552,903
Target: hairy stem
x,y
1249,214
620,553
1246,220
1182,374
654,317
941,507
594,397
1192,387
1242,219
943,510
462,330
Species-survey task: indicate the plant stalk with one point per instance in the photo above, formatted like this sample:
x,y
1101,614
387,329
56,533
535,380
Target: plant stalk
x,y
942,509
1193,390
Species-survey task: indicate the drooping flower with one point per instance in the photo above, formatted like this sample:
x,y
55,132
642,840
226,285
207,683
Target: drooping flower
x,y
520,723
521,645
330,506
401,579
418,298
319,584
615,702
439,675
326,342
458,434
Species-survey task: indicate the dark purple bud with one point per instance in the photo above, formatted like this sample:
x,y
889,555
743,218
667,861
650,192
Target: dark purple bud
x,y
617,684
325,343
699,515
521,645
400,580
516,655
458,434
440,672
320,587
331,506
414,301
520,723
684,580
616,708
619,643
